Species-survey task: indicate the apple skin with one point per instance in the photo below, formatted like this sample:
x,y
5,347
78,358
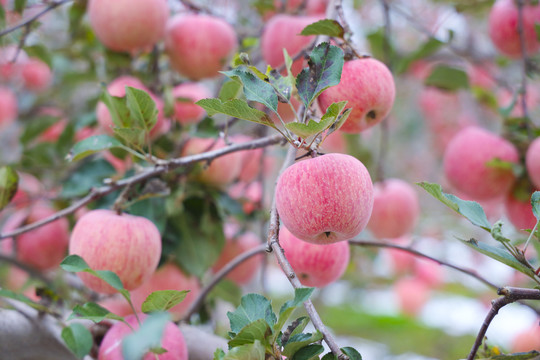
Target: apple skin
x,y
325,199
235,245
199,46
465,161
528,339
188,112
369,88
36,75
221,171
315,265
412,294
503,28
128,25
126,244
395,209
519,212
532,162
282,32
43,248
8,107
173,341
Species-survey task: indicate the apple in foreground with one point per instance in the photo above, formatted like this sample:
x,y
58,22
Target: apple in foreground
x,y
369,88
315,265
126,244
199,46
325,199
466,163
172,340
42,248
127,25
395,209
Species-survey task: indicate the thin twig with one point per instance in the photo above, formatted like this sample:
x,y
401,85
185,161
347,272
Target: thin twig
x,y
163,166
231,265
509,295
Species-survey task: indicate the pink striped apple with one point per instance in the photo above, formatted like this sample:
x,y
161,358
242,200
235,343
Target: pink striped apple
x,y
325,199
126,244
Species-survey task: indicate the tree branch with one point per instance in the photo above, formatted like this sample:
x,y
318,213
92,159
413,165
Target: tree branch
x,y
509,295
162,166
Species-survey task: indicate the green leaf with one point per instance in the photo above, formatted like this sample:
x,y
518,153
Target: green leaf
x,y
132,136
426,49
163,300
22,298
41,52
448,78
252,307
93,312
219,354
288,65
236,108
257,330
300,341
20,5
75,263
78,339
142,108
313,127
326,27
325,66
90,174
282,84
498,254
9,182
308,353
496,233
352,353
253,351
535,203
470,209
35,127
118,109
148,336
302,322
230,90
300,296
329,356
254,88
92,145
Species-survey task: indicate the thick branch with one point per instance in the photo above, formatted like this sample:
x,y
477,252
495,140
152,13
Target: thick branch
x,y
163,166
509,295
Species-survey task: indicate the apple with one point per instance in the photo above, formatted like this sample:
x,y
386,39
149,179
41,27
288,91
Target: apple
x,y
401,261
412,294
519,211
315,265
503,28
29,187
248,194
172,341
168,277
528,339
10,69
465,163
185,110
236,244
369,88
8,106
395,209
36,75
222,170
43,248
282,32
325,199
429,272
128,25
532,162
199,45
126,244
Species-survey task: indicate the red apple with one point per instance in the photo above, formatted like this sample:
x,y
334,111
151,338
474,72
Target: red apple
x,y
532,162
185,110
369,88
36,75
126,244
172,341
412,295
221,171
395,209
503,27
235,245
199,45
8,107
325,199
465,162
168,277
528,339
315,265
128,25
43,248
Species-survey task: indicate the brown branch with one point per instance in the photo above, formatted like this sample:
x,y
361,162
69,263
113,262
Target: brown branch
x,y
231,265
509,295
162,166
273,241
30,20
